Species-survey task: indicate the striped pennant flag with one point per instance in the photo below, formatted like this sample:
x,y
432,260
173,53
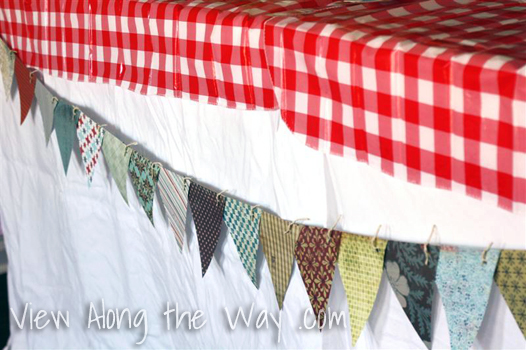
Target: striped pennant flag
x,y
174,197
278,246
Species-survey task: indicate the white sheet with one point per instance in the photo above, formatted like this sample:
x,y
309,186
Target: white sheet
x,y
70,245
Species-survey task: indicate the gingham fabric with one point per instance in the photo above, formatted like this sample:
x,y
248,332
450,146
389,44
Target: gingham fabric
x,y
90,136
144,175
207,210
117,156
26,88
361,265
430,91
174,195
278,246
243,224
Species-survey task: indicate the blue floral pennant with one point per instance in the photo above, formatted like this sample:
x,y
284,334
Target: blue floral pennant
x,y
464,282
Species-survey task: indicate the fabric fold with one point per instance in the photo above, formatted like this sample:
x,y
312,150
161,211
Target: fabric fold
x,y
117,156
66,119
207,210
26,87
243,224
464,283
174,197
278,246
316,254
413,281
7,67
90,136
144,175
511,279
47,105
361,264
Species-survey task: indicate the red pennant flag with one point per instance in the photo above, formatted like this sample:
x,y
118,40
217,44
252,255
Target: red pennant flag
x,y
26,87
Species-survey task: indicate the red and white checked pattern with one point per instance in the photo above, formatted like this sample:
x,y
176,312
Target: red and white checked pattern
x,y
432,91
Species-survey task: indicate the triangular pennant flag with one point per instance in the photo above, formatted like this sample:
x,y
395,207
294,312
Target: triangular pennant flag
x,y
65,126
90,136
47,104
144,175
361,263
464,283
511,279
174,196
316,255
7,66
412,281
117,157
243,224
207,209
278,246
26,87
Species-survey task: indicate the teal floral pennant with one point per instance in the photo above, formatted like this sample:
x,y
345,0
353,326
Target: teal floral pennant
x,y
144,175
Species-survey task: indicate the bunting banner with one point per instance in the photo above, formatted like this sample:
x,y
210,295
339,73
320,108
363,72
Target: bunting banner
x,y
316,253
65,119
26,87
412,280
207,208
278,238
117,157
510,276
242,221
7,67
174,197
361,261
144,175
90,136
47,104
464,283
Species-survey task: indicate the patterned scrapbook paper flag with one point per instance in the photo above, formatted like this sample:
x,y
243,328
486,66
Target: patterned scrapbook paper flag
x,y
464,284
361,265
316,255
7,67
511,279
117,157
243,225
278,247
47,104
26,87
174,196
207,209
66,127
412,281
90,136
144,175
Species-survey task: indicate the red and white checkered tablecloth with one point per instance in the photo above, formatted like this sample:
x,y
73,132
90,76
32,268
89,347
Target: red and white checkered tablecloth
x,y
431,91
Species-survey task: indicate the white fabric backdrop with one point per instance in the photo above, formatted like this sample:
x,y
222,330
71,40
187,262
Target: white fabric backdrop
x,y
70,245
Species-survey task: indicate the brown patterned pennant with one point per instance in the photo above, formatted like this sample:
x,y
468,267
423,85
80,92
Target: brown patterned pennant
x,y
317,253
207,210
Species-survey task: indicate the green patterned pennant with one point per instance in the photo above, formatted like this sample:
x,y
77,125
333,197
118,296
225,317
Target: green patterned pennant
x,y
47,104
144,175
361,265
117,157
243,223
66,120
7,67
278,246
511,279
